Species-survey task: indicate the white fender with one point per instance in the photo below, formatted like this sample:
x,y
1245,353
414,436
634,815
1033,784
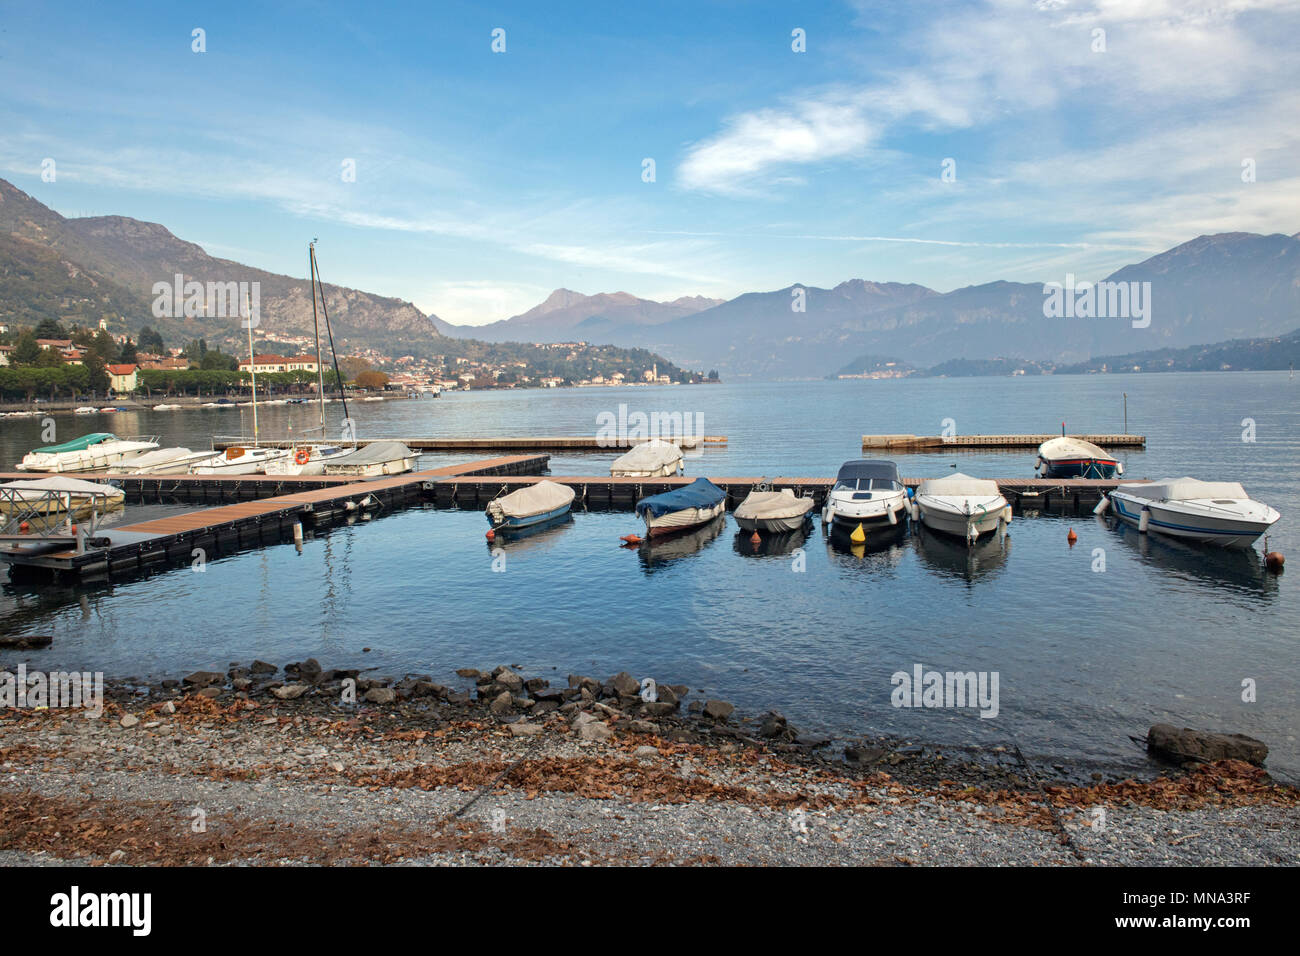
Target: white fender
x,y
893,517
1102,506
1144,520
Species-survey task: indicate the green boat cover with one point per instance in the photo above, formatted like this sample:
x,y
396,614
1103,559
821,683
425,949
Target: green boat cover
x,y
79,444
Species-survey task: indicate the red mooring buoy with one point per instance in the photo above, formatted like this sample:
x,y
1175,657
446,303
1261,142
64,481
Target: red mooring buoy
x,y
755,539
1274,561
631,539
491,535
1072,537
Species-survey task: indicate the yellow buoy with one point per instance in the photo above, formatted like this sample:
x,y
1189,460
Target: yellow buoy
x,y
858,536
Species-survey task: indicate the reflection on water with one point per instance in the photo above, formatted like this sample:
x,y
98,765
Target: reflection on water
x,y
770,545
1227,569
658,552
952,557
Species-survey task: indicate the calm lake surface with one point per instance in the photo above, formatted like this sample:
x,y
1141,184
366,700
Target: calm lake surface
x,y
1085,658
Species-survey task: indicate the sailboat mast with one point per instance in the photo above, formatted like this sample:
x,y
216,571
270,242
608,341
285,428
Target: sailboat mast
x,y
320,369
252,363
329,332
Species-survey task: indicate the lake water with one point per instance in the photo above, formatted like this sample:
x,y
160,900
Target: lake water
x,y
1166,632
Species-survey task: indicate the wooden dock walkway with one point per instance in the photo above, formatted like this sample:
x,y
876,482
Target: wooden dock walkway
x,y
514,443
267,519
988,442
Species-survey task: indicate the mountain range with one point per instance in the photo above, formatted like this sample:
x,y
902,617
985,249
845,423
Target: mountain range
x,y
1209,289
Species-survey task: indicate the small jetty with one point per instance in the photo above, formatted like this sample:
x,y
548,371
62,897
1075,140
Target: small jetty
x,y
513,443
988,442
250,523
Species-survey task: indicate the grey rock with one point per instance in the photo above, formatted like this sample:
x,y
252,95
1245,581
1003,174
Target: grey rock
x,y
1202,745
522,729
502,702
381,695
262,667
289,691
129,720
624,684
718,709
204,678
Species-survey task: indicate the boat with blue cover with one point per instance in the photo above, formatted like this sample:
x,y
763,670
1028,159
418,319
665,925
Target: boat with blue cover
x,y
682,508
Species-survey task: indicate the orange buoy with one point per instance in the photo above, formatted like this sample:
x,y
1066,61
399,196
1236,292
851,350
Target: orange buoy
x,y
631,539
1274,561
24,528
754,538
1072,537
491,535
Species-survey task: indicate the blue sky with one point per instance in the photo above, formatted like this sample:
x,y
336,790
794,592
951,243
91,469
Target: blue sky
x,y
484,180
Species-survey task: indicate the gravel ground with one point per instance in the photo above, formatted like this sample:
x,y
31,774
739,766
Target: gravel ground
x,y
236,782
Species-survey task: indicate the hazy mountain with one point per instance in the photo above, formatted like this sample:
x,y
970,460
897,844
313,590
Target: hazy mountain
x,y
1212,288
133,255
1254,354
569,315
1209,289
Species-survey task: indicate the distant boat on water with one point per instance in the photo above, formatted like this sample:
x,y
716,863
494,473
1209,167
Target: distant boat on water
x,y
1066,457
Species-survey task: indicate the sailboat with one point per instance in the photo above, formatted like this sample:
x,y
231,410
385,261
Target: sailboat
x,y
310,458
243,459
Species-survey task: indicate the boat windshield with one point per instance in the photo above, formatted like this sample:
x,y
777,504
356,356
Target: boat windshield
x,y
869,484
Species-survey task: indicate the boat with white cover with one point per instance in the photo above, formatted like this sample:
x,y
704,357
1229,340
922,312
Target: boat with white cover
x,y
773,512
688,507
239,460
961,505
378,458
307,459
531,505
1066,457
1212,512
866,494
651,459
163,461
93,452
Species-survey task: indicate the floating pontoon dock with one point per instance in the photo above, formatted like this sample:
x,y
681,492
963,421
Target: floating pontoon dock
x,y
981,442
264,520
517,443
621,494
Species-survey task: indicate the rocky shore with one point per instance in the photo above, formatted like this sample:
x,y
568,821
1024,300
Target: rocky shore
x,y
265,764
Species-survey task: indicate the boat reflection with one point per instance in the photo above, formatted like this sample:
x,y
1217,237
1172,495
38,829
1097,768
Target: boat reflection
x,y
883,542
770,545
535,537
952,557
1230,569
659,552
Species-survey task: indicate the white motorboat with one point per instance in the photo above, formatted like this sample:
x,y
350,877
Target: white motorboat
x,y
164,461
378,458
1067,457
651,459
961,505
774,512
239,460
866,494
307,459
93,452
1213,512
